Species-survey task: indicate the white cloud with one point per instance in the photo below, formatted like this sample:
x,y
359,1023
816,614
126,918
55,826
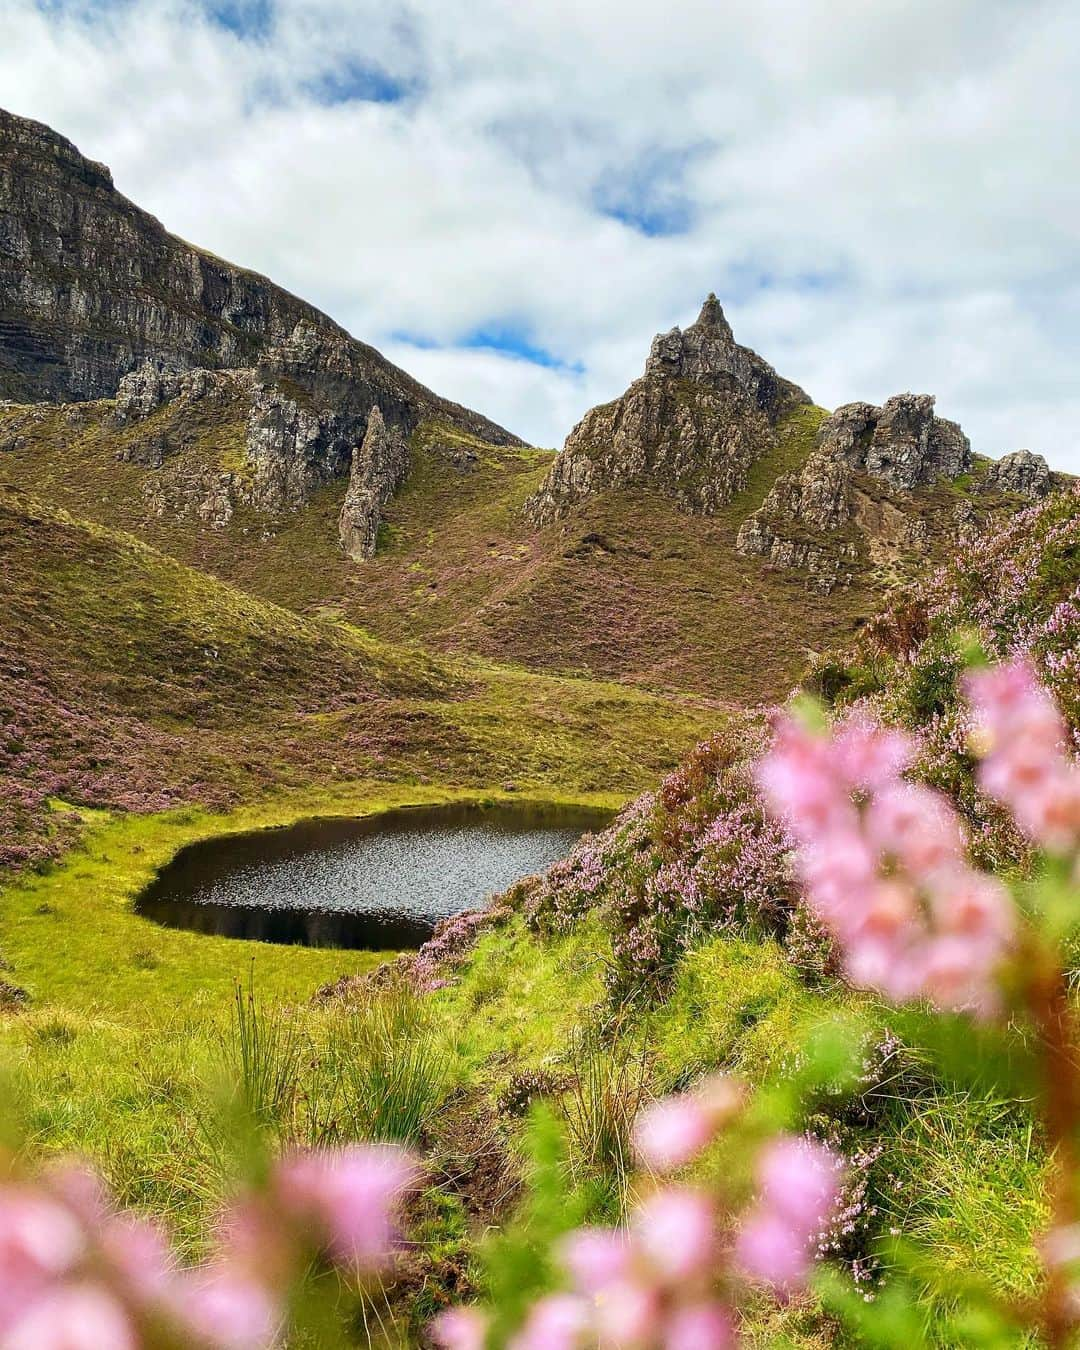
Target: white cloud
x,y
885,196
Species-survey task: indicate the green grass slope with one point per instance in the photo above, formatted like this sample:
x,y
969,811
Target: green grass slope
x,y
134,682
629,588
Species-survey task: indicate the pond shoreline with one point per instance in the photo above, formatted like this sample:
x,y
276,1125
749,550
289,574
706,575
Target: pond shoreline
x,y
72,938
376,881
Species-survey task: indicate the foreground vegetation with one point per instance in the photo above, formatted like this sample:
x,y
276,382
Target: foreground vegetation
x,y
672,946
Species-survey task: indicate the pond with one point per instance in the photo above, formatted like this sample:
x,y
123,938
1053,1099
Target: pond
x,y
375,883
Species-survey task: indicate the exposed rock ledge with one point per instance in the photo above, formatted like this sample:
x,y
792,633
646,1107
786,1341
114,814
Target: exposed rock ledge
x,y
811,519
314,411
824,518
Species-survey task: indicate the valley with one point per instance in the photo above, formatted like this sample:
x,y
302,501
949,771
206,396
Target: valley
x,y
252,574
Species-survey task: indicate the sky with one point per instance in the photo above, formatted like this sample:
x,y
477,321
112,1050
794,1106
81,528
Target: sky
x,y
510,197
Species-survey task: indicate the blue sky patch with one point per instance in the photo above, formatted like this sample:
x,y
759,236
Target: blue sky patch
x,y
508,339
246,18
650,195
352,81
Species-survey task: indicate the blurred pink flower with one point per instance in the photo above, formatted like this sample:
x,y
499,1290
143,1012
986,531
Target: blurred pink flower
x,y
671,1132
349,1198
699,1326
769,1249
800,1179
39,1241
72,1317
557,1322
627,1315
1021,736
595,1257
459,1329
675,1230
230,1312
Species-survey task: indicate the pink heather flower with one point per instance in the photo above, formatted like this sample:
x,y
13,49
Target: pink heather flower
x,y
81,1191
228,1311
73,1317
671,1132
699,1326
799,1184
917,826
976,907
869,756
769,1249
626,1315
138,1252
884,870
1021,735
595,1258
350,1196
956,976
895,972
459,1329
800,1179
802,787
39,1241
557,1322
675,1230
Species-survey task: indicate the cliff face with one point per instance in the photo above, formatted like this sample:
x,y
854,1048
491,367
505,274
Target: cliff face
x,y
701,414
97,299
90,285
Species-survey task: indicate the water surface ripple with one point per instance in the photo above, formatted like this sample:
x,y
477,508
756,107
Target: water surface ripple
x,y
377,882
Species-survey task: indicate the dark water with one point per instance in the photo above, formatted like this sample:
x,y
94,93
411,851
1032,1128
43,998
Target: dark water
x,y
376,883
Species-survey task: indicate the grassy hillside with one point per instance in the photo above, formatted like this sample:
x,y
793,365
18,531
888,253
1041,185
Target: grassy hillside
x,y
629,588
134,682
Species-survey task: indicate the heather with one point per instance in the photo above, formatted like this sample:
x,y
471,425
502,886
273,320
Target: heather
x,y
702,853
131,683
728,1200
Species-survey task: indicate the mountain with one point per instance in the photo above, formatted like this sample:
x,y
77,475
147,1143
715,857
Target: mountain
x,y
705,410
97,300
709,531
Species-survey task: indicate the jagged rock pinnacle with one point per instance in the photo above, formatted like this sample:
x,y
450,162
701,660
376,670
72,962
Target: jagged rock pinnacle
x,y
704,410
712,315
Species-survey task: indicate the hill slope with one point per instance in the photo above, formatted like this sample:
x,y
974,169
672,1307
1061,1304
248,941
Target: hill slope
x,y
131,681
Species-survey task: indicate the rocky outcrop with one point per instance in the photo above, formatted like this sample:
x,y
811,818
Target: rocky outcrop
x,y
690,427
1022,473
824,518
92,288
379,468
902,443
800,512
146,388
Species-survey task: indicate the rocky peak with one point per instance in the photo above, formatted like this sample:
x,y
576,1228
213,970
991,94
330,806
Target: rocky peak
x,y
703,411
1022,472
901,443
707,353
